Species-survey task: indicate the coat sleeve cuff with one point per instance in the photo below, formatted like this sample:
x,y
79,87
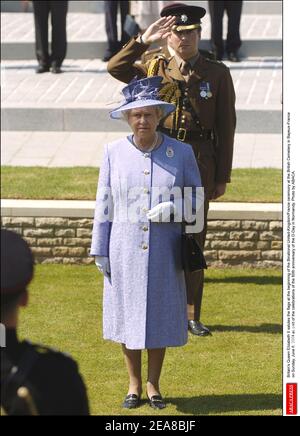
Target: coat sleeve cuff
x,y
221,181
139,47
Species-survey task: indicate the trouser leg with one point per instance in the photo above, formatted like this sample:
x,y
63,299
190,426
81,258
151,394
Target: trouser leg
x,y
204,153
234,11
195,281
111,12
124,6
216,9
41,12
59,11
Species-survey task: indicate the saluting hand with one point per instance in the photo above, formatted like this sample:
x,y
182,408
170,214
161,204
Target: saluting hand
x,y
159,30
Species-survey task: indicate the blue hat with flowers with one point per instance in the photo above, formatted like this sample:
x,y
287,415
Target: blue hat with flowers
x,y
142,93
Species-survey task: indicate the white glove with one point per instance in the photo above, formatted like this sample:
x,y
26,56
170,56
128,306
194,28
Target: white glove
x,y
161,212
103,265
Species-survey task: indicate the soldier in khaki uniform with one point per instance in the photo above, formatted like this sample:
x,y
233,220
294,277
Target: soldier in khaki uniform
x,y
203,92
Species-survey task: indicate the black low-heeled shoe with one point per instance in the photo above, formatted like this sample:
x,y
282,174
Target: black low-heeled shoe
x,y
156,402
131,401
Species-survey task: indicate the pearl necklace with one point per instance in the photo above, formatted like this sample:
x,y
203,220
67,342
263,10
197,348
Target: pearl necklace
x,y
148,150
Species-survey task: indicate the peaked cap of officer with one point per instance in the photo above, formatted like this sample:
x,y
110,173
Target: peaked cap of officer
x,y
187,17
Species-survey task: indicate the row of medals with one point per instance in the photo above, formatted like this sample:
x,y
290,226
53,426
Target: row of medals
x,y
205,91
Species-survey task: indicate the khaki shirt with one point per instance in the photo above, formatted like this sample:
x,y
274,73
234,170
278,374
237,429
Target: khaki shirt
x,y
217,112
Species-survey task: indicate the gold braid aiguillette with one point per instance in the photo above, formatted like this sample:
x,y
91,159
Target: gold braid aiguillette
x,y
171,93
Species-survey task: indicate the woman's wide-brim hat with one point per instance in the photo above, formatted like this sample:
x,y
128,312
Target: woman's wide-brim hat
x,y
142,93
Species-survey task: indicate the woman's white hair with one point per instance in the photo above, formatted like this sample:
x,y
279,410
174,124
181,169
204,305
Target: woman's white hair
x,y
159,110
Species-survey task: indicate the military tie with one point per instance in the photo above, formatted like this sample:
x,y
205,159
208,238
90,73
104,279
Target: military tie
x,y
185,68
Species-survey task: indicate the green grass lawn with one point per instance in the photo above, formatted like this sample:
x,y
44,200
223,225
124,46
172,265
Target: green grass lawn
x,y
235,371
248,185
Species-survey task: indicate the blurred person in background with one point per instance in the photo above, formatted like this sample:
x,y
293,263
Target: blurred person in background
x,y
35,380
58,11
233,41
111,15
145,13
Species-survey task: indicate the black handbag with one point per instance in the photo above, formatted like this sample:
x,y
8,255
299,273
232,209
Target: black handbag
x,y
131,27
192,257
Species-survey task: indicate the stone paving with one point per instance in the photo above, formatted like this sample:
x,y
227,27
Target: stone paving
x,y
66,149
258,84
86,84
90,27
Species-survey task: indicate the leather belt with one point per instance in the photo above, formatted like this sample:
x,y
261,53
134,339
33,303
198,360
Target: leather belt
x,y
186,135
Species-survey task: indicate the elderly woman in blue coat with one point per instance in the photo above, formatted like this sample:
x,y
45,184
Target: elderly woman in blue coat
x,y
136,237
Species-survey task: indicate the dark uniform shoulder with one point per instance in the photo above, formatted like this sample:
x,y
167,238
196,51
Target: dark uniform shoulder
x,y
217,63
45,353
44,350
56,377
207,54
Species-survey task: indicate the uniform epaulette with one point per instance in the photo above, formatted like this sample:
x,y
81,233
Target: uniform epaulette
x,y
207,54
216,62
155,53
154,50
42,349
161,56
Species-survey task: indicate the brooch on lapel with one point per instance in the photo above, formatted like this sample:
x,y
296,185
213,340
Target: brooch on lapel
x,y
205,91
170,152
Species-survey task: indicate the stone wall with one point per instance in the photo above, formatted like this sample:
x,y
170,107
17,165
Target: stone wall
x,y
246,243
